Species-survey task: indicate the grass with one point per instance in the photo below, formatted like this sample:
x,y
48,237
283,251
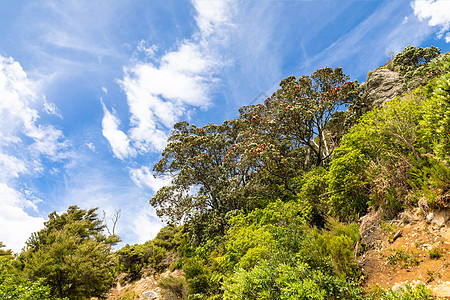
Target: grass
x,y
400,257
435,253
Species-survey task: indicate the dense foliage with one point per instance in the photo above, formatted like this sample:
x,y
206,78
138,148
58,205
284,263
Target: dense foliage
x,y
257,194
268,202
15,287
71,254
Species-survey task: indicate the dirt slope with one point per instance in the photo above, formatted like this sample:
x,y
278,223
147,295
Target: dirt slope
x,y
420,252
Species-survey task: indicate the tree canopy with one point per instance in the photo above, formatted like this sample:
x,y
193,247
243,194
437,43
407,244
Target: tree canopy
x,y
218,169
72,253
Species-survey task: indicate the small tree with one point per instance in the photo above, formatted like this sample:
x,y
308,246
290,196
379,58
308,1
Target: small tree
x,y
412,58
72,254
5,253
13,287
413,64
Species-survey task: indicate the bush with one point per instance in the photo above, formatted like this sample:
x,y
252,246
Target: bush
x,y
370,167
272,281
434,129
435,253
197,276
173,287
16,288
313,186
406,292
413,64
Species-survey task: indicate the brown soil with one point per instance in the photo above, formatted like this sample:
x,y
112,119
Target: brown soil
x,y
407,258
148,282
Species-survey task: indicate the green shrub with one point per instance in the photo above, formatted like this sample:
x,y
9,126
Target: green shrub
x,y
131,295
313,186
429,177
273,281
13,287
435,253
400,257
173,287
370,166
198,276
434,129
406,292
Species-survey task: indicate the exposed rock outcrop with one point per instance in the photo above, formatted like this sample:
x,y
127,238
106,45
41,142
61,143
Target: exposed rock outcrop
x,y
381,85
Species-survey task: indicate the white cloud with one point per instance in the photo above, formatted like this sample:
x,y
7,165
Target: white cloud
x,y
159,95
145,224
11,167
51,109
117,138
214,17
143,176
15,224
23,142
437,12
91,146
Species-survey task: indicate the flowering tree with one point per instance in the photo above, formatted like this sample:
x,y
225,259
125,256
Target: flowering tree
x,y
207,178
298,113
215,168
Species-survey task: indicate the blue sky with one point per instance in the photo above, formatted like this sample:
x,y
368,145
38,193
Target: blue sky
x,y
89,90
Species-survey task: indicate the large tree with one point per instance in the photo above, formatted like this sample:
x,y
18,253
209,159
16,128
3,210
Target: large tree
x,y
218,169
72,253
208,179
301,110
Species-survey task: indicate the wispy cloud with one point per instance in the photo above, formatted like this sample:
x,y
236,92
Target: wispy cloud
x,y
361,53
23,143
437,12
118,140
144,177
160,93
51,109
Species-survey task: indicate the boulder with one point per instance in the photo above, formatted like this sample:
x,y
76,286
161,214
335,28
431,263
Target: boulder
x,y
439,217
381,85
151,295
430,217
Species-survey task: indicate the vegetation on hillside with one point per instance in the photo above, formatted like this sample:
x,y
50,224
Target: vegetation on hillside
x,y
286,173
265,206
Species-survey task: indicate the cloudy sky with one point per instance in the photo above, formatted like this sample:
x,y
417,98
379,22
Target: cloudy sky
x,y
89,90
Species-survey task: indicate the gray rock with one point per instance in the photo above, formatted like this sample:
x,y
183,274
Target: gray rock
x,y
151,295
441,217
381,85
396,287
430,217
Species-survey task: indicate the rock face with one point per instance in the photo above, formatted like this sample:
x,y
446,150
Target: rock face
x,y
381,85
